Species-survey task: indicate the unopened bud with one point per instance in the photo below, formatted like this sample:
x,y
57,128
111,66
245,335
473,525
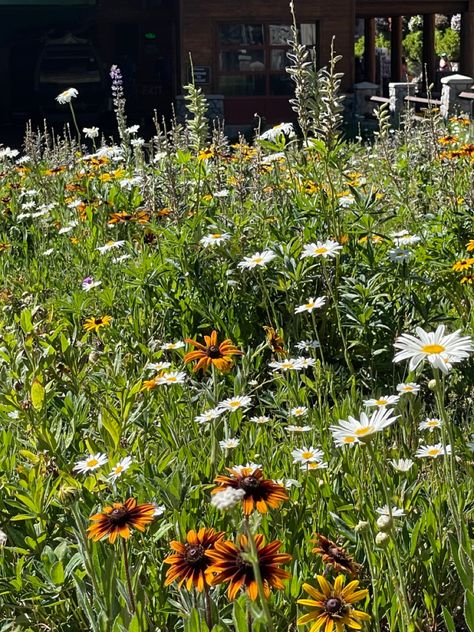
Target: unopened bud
x,y
382,539
384,523
362,525
432,384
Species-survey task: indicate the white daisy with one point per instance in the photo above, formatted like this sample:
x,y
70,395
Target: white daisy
x,y
273,133
234,403
290,364
158,366
120,468
328,248
228,444
360,430
409,387
314,465
406,240
433,451
306,455
299,411
110,245
90,132
214,239
439,349
292,428
430,424
91,463
399,255
171,377
121,258
395,512
67,95
306,345
402,465
251,465
305,363
168,346
382,401
159,510
311,304
261,419
133,129
259,259
209,415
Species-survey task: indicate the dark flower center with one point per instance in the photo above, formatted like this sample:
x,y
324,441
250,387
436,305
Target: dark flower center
x,y
337,554
117,515
249,483
213,352
333,605
194,553
98,321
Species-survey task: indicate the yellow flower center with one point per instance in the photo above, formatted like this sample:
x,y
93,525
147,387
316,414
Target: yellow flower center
x,y
361,432
433,349
309,305
258,260
92,462
216,235
118,469
234,404
380,402
313,466
349,439
432,423
171,378
434,452
321,250
306,455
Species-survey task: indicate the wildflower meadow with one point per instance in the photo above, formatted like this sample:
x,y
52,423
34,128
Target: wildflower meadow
x,y
237,376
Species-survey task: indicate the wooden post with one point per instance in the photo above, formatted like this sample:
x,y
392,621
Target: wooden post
x,y
396,49
369,49
428,49
467,44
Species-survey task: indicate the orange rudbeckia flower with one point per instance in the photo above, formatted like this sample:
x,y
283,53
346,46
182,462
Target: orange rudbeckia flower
x,y
118,519
212,353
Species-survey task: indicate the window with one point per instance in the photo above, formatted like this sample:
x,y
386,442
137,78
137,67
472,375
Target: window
x,y
252,58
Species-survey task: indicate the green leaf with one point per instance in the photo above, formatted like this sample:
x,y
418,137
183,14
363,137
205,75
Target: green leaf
x,y
449,621
25,321
57,573
37,394
469,609
239,618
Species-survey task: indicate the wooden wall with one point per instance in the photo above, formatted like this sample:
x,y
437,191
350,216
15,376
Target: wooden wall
x,y
198,18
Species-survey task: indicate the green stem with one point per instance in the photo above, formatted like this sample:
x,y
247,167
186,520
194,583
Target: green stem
x,y
127,574
258,575
74,120
208,606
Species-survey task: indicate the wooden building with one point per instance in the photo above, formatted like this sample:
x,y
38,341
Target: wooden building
x,y
238,50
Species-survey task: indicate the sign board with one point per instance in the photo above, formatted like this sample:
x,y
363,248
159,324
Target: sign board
x,y
201,74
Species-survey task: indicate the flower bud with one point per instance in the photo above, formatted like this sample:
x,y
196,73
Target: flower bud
x,y
382,539
384,523
432,384
362,525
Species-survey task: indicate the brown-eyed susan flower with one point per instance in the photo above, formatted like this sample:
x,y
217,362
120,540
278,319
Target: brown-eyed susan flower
x,y
470,245
275,341
119,518
212,353
229,563
189,563
448,140
95,324
463,264
334,555
331,606
260,493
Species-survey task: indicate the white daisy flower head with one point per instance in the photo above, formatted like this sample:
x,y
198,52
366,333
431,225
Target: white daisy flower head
x,y
110,245
121,258
273,133
260,419
311,304
229,444
439,349
402,465
409,387
89,283
406,240
214,239
91,463
314,465
209,415
432,451
306,455
158,366
305,363
288,483
222,193
171,377
361,430
235,403
382,401
299,411
133,129
3,538
306,345
399,255
248,466
67,95
91,132
394,512
430,424
259,259
289,364
121,467
297,429
227,498
159,510
170,346
325,249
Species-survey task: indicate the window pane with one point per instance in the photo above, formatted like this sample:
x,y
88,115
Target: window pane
x,y
308,34
279,59
242,85
235,34
242,61
279,34
281,85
